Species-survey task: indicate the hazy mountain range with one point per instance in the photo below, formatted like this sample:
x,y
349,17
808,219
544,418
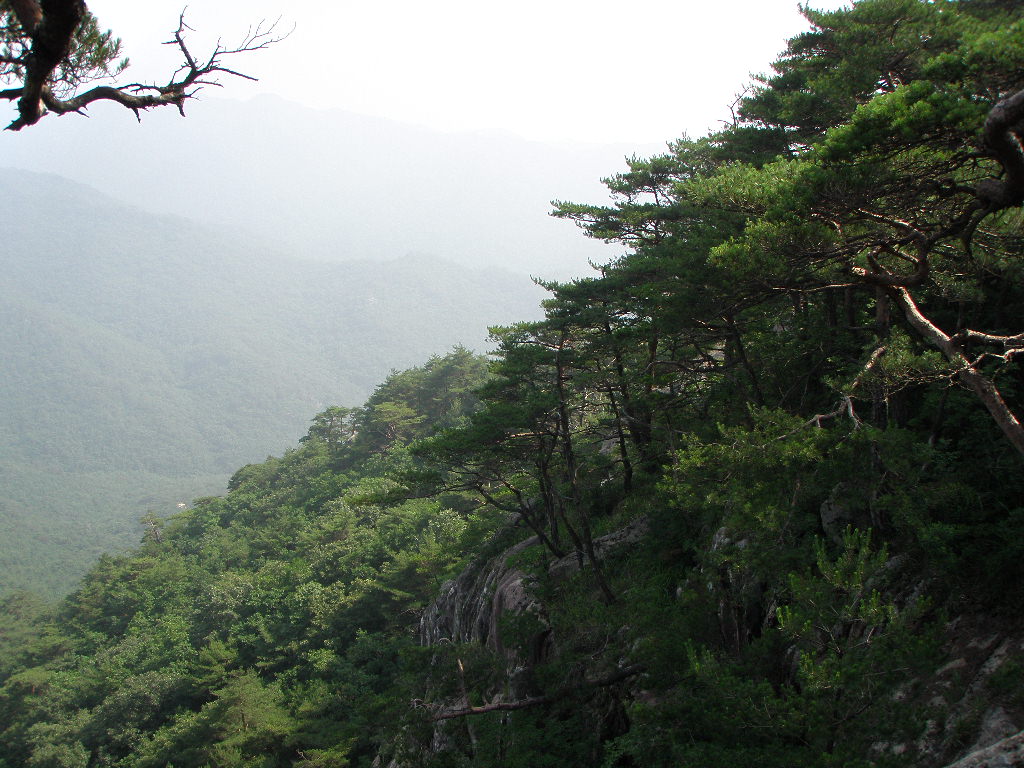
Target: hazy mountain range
x,y
147,357
224,277
336,185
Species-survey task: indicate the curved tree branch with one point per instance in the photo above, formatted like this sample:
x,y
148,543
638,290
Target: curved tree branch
x,y
966,369
52,35
1001,136
1009,342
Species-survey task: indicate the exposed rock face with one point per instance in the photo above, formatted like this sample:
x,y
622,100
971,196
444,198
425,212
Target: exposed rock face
x,y
469,607
961,694
741,605
1008,753
603,546
469,610
996,726
843,509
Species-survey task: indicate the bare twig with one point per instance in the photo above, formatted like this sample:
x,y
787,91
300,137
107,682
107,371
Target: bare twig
x,y
36,96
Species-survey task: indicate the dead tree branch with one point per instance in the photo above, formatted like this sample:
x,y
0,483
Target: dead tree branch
x,y
505,706
52,36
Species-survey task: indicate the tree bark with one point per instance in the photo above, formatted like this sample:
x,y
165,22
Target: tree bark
x,y
52,33
1002,134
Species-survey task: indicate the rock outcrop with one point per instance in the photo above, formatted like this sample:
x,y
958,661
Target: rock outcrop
x,y
977,711
1007,753
469,608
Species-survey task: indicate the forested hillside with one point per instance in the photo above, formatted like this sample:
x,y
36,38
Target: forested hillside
x,y
751,495
145,358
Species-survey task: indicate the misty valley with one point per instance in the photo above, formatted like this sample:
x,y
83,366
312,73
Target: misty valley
x,y
147,357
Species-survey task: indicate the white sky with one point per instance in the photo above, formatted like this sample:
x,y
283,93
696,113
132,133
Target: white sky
x,y
588,70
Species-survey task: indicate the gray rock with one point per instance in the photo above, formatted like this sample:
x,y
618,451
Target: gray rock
x,y
841,510
995,727
1008,753
603,547
469,607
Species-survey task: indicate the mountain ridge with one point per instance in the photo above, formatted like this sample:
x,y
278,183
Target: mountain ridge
x,y
155,346
338,185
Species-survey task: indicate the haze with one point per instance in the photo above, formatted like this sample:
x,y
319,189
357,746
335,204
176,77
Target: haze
x,y
363,152
585,70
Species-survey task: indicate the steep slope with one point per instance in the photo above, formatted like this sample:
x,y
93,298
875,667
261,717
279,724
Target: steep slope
x,y
155,346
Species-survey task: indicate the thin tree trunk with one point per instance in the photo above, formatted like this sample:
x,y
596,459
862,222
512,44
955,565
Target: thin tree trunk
x,y
572,473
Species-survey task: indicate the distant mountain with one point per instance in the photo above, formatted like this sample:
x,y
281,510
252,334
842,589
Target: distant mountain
x,y
337,185
146,357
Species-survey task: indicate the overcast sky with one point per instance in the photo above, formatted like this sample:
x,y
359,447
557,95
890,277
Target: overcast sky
x,y
586,70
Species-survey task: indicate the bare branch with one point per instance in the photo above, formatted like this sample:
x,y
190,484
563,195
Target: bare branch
x,y
845,404
913,231
498,706
879,275
967,370
987,338
36,97
872,362
505,706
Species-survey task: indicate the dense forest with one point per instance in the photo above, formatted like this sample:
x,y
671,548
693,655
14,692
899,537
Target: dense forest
x,y
750,495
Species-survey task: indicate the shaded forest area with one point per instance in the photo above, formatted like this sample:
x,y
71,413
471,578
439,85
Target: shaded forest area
x,y
747,496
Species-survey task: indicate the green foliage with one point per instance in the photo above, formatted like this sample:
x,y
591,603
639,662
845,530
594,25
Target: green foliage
x,y
854,646
739,383
262,628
